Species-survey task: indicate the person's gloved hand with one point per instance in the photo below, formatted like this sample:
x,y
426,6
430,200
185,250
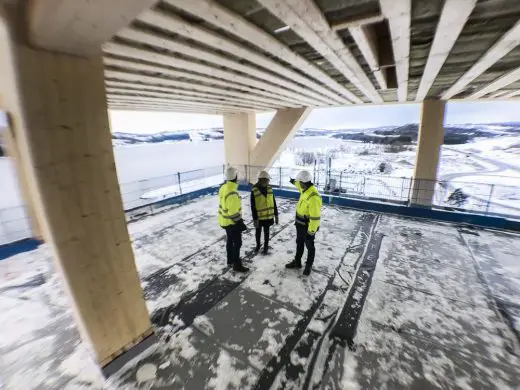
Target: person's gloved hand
x,y
292,181
241,225
256,223
311,234
276,219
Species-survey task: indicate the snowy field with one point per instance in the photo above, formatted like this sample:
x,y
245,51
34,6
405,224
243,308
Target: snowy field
x,y
391,303
487,169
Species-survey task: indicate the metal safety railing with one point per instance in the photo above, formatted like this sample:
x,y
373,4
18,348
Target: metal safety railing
x,y
147,191
14,224
483,198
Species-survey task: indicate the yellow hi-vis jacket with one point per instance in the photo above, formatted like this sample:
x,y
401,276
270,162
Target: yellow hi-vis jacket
x,y
264,204
308,210
230,204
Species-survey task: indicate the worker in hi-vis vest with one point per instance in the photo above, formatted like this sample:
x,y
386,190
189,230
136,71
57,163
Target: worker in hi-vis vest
x,y
230,218
308,214
263,209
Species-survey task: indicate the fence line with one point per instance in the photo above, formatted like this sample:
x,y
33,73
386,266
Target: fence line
x,y
488,199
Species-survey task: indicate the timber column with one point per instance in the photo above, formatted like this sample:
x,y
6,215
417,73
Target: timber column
x,y
239,141
59,117
431,138
7,135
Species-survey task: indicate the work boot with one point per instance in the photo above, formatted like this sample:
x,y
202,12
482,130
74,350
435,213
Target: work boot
x,y
307,270
238,267
257,248
266,249
294,264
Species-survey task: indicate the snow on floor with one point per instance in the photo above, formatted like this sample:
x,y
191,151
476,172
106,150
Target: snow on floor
x,y
441,310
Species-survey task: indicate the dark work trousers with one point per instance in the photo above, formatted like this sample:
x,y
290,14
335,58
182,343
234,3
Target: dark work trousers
x,y
233,244
258,234
304,239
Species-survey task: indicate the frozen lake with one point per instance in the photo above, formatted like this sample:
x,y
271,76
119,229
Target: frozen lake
x,y
152,160
148,173
147,161
135,163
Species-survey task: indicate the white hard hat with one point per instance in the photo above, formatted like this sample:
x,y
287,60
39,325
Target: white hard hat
x,y
304,176
263,175
231,173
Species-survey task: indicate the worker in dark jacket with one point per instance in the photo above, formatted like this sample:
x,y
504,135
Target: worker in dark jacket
x,y
263,209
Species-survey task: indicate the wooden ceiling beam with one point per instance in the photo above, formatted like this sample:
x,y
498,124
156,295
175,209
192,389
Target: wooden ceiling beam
x,y
503,46
366,40
501,82
121,106
233,78
79,27
112,97
358,21
156,88
306,19
454,15
174,24
180,96
252,94
399,14
275,81
221,17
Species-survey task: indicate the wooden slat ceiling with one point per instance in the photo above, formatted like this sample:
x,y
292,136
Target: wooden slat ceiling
x,y
260,55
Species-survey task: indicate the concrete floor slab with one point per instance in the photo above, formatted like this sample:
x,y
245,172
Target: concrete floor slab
x,y
425,323
386,359
452,324
249,324
190,360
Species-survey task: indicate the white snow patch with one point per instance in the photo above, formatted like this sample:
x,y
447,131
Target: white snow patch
x,y
203,323
348,381
227,376
181,345
166,364
317,326
81,365
298,360
146,373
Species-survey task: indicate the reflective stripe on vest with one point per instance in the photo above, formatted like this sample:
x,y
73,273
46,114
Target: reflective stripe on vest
x,y
230,204
264,203
302,213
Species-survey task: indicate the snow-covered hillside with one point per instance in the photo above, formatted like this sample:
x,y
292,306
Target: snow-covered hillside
x,y
123,139
454,134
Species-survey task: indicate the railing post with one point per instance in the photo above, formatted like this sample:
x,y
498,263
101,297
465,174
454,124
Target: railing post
x,y
489,199
340,179
280,177
245,173
410,191
179,182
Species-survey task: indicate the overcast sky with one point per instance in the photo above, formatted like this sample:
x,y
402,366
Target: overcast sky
x,y
355,117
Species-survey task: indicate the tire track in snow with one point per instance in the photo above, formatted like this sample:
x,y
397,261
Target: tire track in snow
x,y
508,331
277,363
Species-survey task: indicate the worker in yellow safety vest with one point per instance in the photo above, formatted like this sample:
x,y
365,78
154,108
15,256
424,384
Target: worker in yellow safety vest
x,y
308,214
263,209
230,218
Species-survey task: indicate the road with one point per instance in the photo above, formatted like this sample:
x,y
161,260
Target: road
x,y
499,167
